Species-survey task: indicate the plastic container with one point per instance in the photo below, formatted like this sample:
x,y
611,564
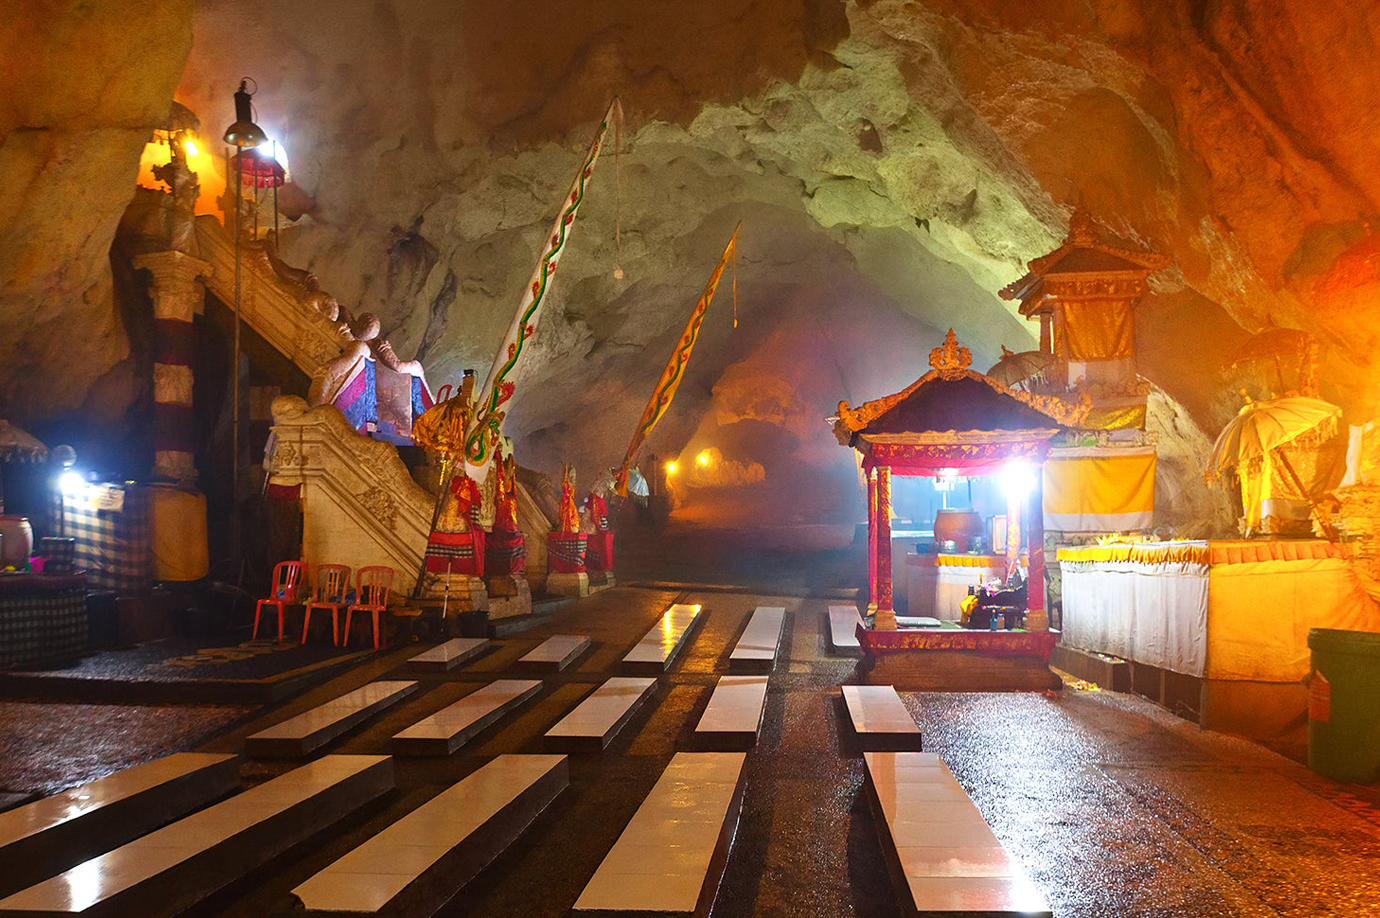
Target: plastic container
x,y
1343,713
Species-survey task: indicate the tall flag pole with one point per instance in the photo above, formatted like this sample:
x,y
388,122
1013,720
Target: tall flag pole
x,y
487,429
675,369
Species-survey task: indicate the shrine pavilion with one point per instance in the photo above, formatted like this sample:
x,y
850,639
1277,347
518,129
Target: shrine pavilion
x,y
954,421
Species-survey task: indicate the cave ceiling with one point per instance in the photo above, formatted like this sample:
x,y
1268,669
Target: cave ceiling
x,y
893,165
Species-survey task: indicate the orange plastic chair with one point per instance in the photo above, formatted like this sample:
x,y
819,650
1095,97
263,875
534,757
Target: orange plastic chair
x,y
329,583
287,577
371,595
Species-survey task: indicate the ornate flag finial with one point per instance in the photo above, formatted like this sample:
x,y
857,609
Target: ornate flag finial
x,y
950,359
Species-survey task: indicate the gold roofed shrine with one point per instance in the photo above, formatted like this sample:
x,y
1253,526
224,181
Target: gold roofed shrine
x,y
1084,294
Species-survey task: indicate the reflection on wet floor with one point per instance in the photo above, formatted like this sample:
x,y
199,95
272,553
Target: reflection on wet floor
x,y
1111,806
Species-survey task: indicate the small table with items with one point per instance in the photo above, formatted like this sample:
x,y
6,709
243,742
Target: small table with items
x,y
42,617
938,583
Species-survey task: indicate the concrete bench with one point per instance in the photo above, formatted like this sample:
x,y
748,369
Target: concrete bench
x,y
555,653
301,735
418,863
843,631
46,837
880,721
733,716
670,858
454,725
445,657
168,871
755,651
594,722
658,647
941,853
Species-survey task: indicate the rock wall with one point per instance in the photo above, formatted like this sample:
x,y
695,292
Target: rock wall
x,y
84,86
893,163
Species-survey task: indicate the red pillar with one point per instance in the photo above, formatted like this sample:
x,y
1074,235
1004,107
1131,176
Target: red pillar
x,y
884,608
871,540
1036,619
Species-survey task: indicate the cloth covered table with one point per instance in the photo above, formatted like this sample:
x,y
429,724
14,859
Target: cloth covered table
x,y
938,584
113,546
42,616
1235,610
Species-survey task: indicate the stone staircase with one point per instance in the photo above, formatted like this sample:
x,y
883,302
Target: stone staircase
x,y
361,505
289,311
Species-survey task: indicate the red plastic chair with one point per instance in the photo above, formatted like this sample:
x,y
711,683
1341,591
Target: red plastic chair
x,y
287,577
329,583
371,595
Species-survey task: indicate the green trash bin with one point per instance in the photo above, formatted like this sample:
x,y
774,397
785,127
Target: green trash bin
x,y
1344,705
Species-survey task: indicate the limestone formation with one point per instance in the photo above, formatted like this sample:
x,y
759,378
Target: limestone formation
x,y
894,163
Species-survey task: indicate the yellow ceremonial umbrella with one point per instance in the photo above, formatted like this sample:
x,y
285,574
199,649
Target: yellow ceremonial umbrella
x,y
442,427
1016,367
1260,427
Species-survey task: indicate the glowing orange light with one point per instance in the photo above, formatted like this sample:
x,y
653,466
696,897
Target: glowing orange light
x,y
190,147
703,457
670,468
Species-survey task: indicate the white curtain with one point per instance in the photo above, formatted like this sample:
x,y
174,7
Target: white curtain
x,y
1150,613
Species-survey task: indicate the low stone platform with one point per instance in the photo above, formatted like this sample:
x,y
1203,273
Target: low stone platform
x,y
843,627
959,660
670,858
555,653
418,863
302,735
445,657
454,725
733,717
756,650
48,836
879,719
943,857
170,870
594,722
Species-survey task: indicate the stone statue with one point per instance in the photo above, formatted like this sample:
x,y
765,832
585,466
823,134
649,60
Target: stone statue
x,y
185,188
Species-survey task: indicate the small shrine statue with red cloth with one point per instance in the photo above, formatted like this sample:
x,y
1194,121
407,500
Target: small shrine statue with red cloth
x,y
566,546
456,544
506,549
599,555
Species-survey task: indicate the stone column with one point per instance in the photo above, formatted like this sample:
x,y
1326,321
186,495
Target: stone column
x,y
871,541
1036,619
179,293
885,619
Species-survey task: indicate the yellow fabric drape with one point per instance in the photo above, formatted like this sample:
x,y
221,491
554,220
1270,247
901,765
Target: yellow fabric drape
x,y
990,561
1099,490
1097,330
1153,553
1130,417
1259,615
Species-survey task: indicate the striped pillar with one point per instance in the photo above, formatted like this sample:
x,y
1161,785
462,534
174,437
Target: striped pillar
x,y
178,294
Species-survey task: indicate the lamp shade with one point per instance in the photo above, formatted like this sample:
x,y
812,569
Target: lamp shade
x,y
244,132
257,169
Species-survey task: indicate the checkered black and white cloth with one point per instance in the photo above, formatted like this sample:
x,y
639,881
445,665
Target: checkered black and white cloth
x,y
112,545
41,618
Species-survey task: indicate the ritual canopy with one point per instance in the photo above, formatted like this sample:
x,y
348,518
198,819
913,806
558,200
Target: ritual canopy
x,y
951,421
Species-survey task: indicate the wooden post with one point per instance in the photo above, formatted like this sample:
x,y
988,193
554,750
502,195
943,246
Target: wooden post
x,y
885,619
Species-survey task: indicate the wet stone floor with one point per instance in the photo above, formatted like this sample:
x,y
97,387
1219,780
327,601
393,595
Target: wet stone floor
x,y
1113,806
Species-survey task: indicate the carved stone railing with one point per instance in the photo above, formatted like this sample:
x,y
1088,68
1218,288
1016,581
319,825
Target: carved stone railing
x,y
361,505
292,315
